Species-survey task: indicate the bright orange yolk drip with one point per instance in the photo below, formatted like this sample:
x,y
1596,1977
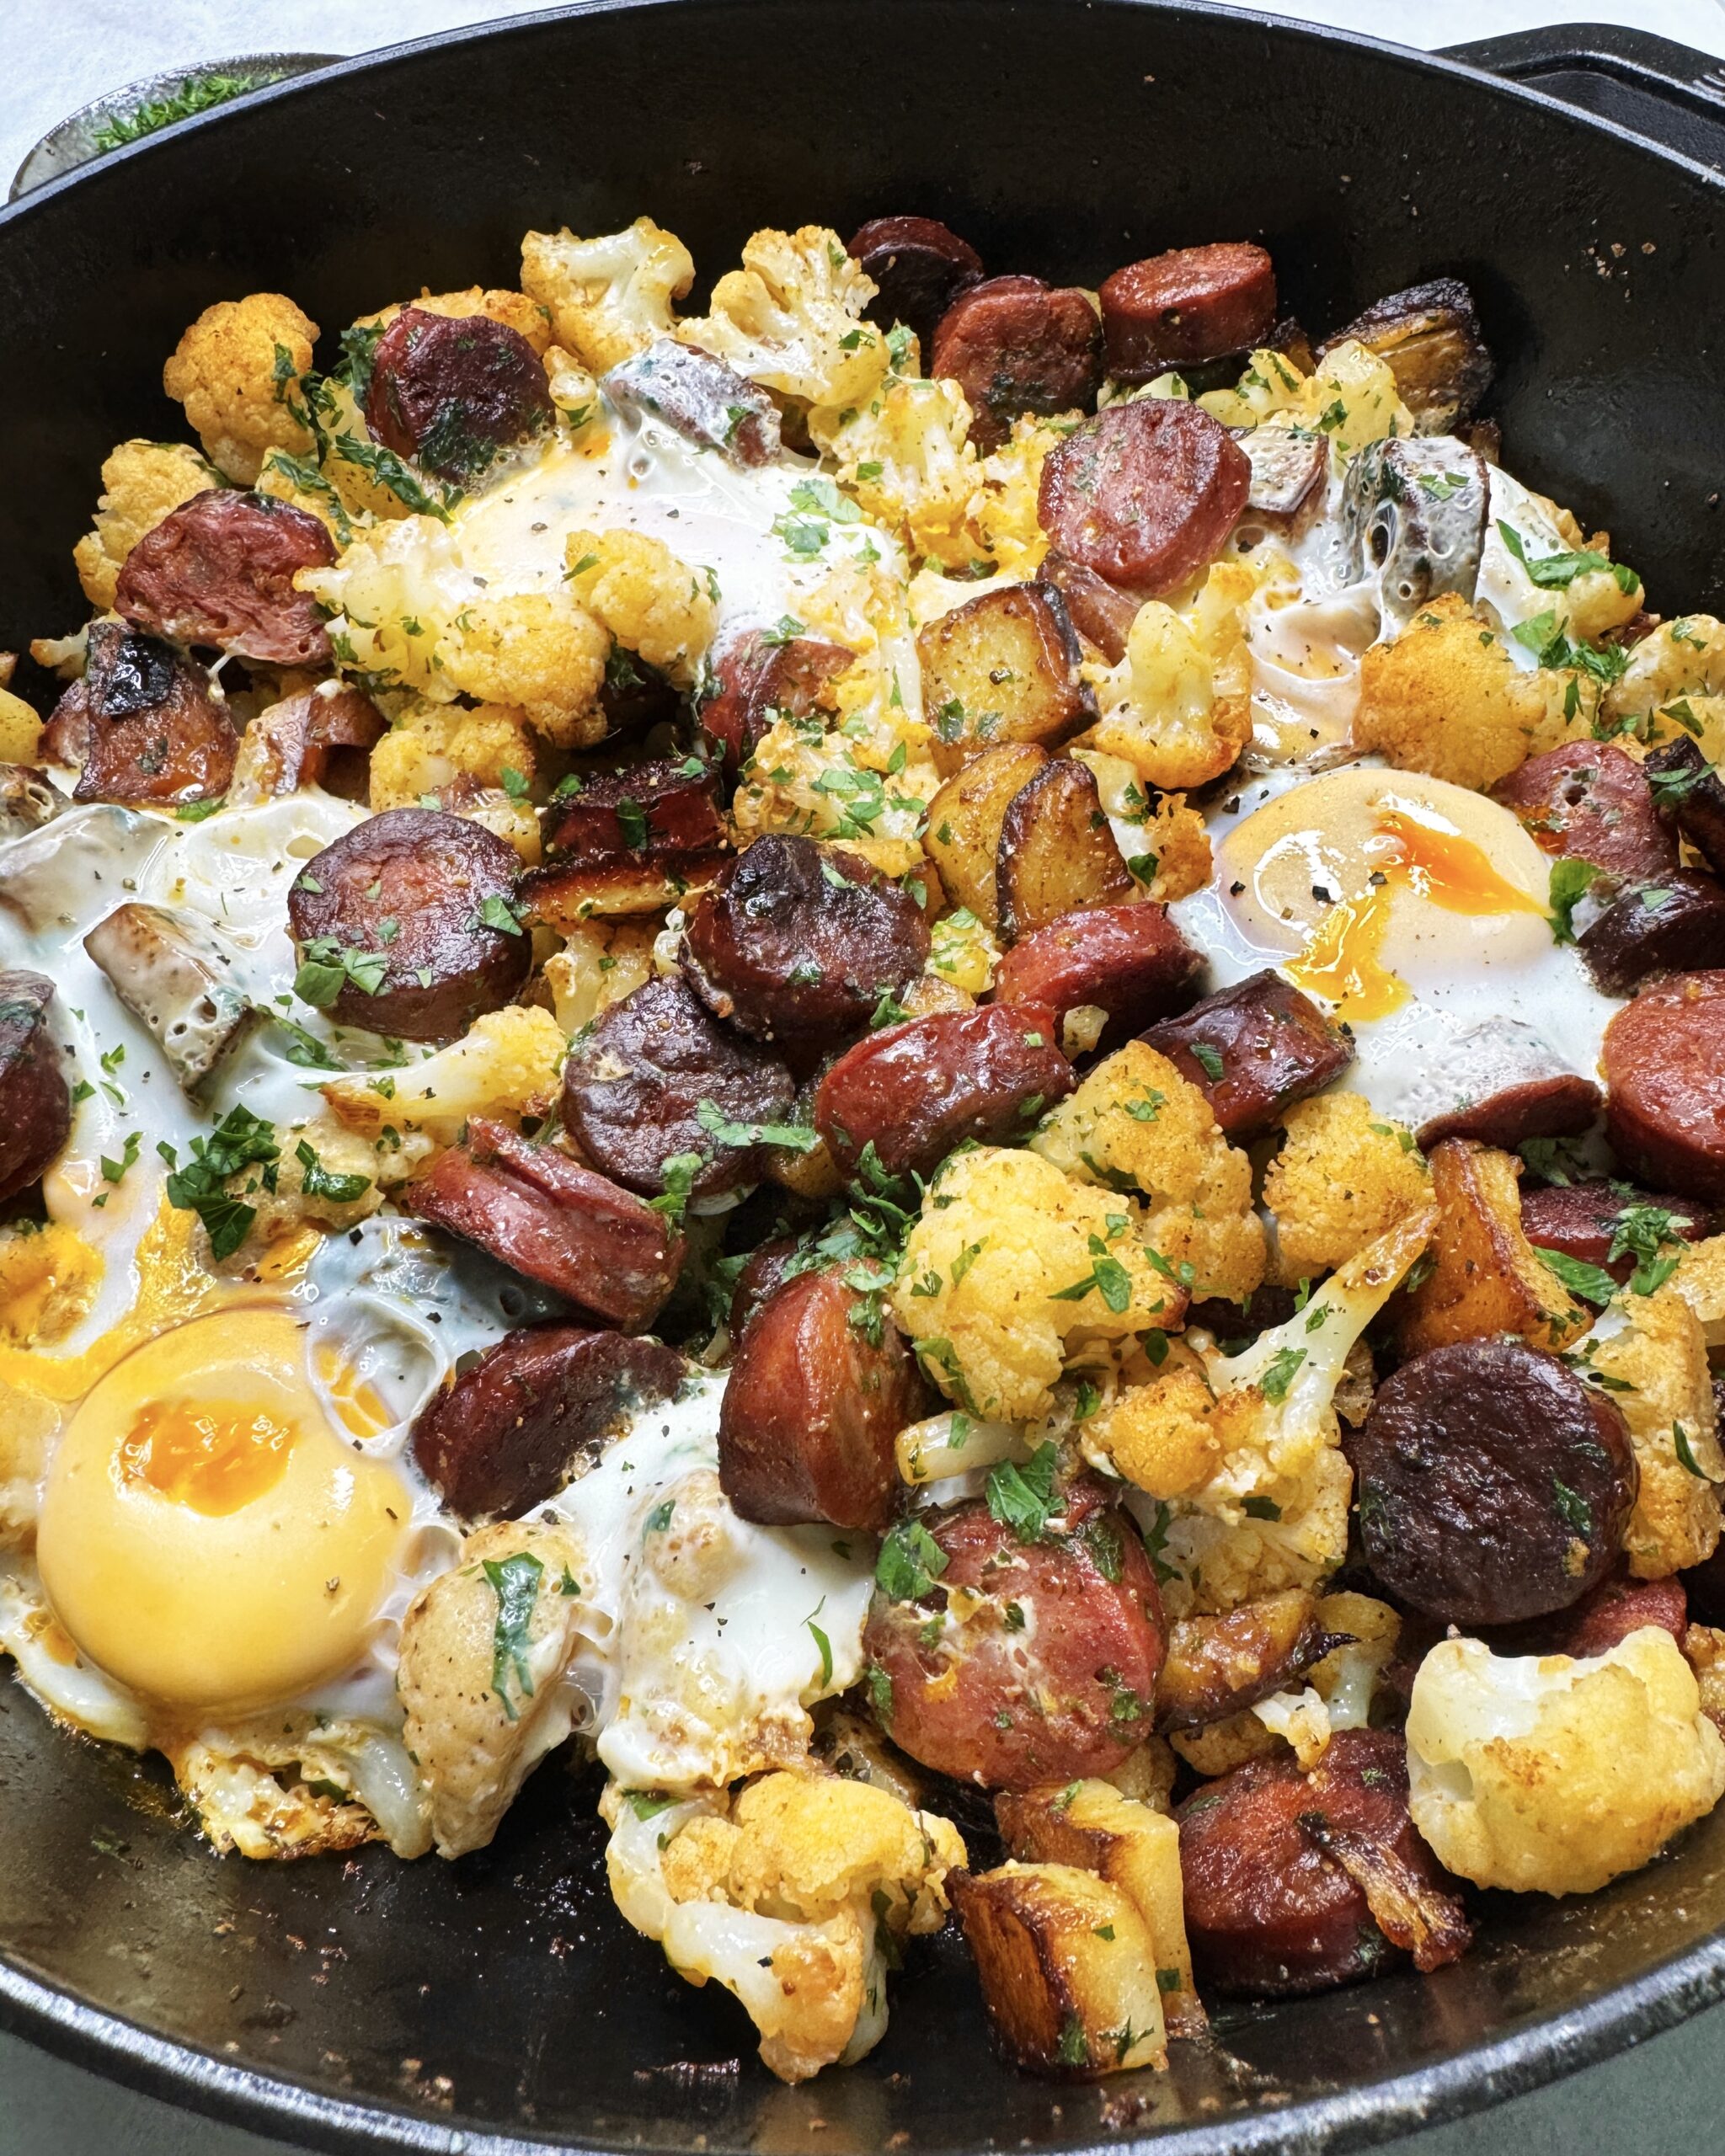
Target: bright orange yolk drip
x,y
1342,960
211,1458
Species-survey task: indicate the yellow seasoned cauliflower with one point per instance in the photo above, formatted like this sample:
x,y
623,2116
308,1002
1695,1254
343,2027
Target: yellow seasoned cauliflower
x,y
601,964
1010,1262
1178,707
608,298
346,1187
1136,1124
508,1064
432,747
1653,1348
651,603
791,318
1673,686
1544,1775
963,952
536,649
1003,510
807,777
1700,1280
1351,397
904,455
1344,1177
1214,1563
1446,697
237,372
142,482
49,1277
299,1785
1163,826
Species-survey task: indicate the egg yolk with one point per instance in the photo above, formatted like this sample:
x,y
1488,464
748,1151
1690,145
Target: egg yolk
x,y
213,1458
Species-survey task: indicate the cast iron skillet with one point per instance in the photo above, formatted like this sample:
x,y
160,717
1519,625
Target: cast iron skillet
x,y
500,2002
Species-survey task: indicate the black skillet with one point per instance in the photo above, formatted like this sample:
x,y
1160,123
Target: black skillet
x,y
499,2003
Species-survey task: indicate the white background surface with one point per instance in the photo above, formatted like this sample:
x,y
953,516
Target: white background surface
x,y
1666,2100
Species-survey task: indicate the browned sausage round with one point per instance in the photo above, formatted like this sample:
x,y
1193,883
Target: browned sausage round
x,y
147,725
1193,303
1617,1607
1560,1106
759,676
1253,1050
1589,800
917,1091
533,1208
1273,1861
220,571
33,1081
405,925
765,1271
650,811
793,940
821,1386
1217,1665
1492,1484
1016,344
508,1434
1583,1221
1688,793
1047,1673
453,392
635,1089
1677,923
919,266
1664,1066
1130,961
1145,494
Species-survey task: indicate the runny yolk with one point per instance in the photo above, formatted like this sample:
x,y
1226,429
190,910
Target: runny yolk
x,y
354,1398
1342,960
210,1457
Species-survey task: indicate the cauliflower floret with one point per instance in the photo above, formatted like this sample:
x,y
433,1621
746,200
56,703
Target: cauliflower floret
x,y
346,1187
805,777
1652,1346
792,1898
142,482
791,318
1162,826
1446,697
1136,1124
906,456
1700,1280
237,372
1214,1564
539,650
1351,397
1673,686
1544,1775
608,298
528,317
963,952
1003,510
652,603
434,746
49,1277
601,964
1010,1262
509,1062
1178,707
1345,1175
351,1783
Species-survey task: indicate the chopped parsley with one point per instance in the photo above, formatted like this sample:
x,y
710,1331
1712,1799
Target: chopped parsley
x,y
317,1180
1022,1497
910,1562
240,1140
514,1581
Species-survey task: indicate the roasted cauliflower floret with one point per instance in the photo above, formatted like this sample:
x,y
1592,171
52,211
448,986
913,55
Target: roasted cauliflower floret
x,y
49,1277
300,1785
903,453
1136,1124
1653,1349
1164,826
1446,697
528,317
1700,1280
509,1062
608,298
1344,1175
1003,510
601,964
651,603
1544,1775
238,372
1676,674
142,482
1009,1262
537,650
1351,397
1178,707
336,1187
791,318
432,747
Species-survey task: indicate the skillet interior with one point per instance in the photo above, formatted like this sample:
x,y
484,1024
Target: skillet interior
x,y
504,1993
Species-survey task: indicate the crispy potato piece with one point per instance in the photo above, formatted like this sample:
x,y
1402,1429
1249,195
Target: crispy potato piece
x,y
1429,336
964,820
1067,1969
1002,667
563,899
1488,1277
1057,854
1092,1825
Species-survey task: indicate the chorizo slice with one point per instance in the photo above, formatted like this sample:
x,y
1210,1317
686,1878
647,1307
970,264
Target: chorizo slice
x,y
1217,1665
33,1077
795,940
453,392
1677,924
1588,801
406,925
1253,1050
1145,495
659,1078
821,1388
147,725
1014,344
220,571
535,1210
1664,1064
919,267
1042,1667
759,676
765,1271
509,1433
1130,961
1492,1484
1192,303
1688,793
1561,1105
628,842
1591,1222
915,1091
1606,1616
706,402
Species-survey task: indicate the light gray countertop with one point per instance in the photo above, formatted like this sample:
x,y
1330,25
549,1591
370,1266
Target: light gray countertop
x,y
1665,2099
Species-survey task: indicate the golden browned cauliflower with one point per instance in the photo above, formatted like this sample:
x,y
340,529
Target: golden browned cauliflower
x,y
509,1062
651,603
298,1784
142,482
1009,1263
1164,826
1345,1175
340,1160
1700,1280
1544,1775
432,746
1446,697
1178,707
1676,674
903,453
237,370
791,318
49,1277
1653,1348
608,298
1351,397
1136,1124
600,963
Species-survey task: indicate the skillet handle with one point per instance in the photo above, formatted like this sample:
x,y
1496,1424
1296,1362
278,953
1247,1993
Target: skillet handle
x,y
1668,92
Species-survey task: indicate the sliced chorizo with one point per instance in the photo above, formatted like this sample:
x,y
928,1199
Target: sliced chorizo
x,y
651,811
510,1431
660,1078
1584,1221
1014,344
1130,961
915,1091
534,1210
918,265
1218,1666
1605,1617
453,392
1689,794
764,1272
1561,1105
795,940
1145,495
1192,303
1492,1484
220,571
1042,1668
761,676
146,724
1589,800
1677,924
406,925
1664,1064
33,1079
706,402
321,736
1253,1050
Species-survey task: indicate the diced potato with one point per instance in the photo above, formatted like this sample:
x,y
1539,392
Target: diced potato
x,y
964,820
1487,1278
1002,667
1057,854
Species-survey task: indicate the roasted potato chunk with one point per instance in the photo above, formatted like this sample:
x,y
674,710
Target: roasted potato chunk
x,y
1429,337
1487,1278
1002,667
1057,854
964,820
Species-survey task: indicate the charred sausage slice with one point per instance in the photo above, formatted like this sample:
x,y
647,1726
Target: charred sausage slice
x,y
1675,925
1145,495
509,1433
1688,794
649,812
1589,800
919,267
1560,1106
1015,344
406,925
220,571
1253,1050
453,392
706,402
1191,303
32,1080
1099,611
147,726
758,677
321,736
1130,961
1589,1222
1664,1066
1617,1607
